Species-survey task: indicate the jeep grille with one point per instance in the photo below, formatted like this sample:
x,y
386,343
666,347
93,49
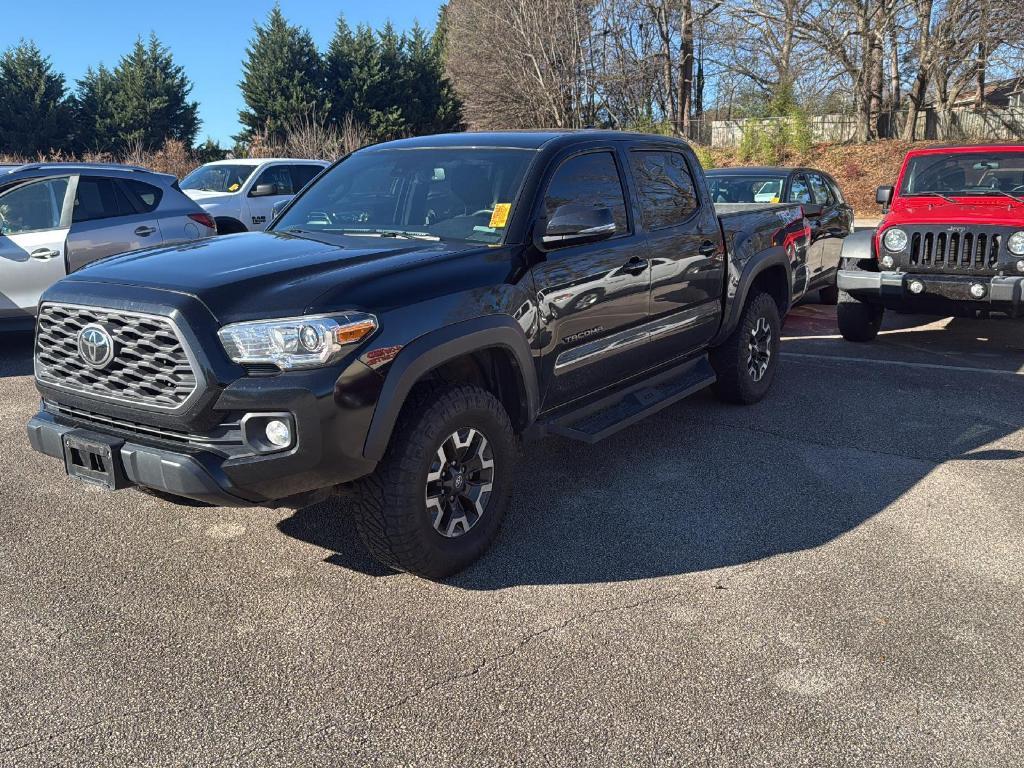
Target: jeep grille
x,y
940,249
150,367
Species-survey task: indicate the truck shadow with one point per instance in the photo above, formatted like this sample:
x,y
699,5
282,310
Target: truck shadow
x,y
704,485
15,353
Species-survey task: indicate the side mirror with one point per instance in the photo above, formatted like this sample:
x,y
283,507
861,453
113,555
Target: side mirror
x,y
263,190
575,224
812,210
883,196
278,207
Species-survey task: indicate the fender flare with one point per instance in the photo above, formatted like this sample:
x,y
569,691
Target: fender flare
x,y
436,348
858,246
754,266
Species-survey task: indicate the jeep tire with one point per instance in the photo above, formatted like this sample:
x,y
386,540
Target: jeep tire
x,y
746,361
436,500
858,321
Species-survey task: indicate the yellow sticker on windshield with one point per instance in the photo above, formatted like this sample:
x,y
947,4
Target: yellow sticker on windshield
x,y
775,199
234,187
500,215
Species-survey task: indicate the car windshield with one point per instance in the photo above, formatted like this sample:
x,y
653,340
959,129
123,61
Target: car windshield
x,y
218,178
746,189
965,173
458,193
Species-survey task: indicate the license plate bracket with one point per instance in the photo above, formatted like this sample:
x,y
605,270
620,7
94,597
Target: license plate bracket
x,y
95,459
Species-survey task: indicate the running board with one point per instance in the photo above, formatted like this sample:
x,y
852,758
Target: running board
x,y
608,415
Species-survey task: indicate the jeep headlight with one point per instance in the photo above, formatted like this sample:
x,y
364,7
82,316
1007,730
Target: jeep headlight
x,y
895,239
1016,244
296,342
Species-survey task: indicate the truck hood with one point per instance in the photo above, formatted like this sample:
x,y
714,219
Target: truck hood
x,y
207,195
989,211
262,274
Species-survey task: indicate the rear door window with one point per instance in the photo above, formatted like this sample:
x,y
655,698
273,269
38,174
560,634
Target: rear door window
x,y
303,174
667,191
591,179
99,198
800,192
822,196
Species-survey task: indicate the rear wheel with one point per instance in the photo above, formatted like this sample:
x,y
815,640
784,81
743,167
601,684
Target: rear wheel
x,y
858,321
746,362
437,499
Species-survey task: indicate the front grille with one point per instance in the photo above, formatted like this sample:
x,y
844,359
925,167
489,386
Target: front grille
x,y
149,366
974,251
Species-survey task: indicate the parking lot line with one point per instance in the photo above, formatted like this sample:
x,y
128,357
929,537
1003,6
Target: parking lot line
x,y
903,363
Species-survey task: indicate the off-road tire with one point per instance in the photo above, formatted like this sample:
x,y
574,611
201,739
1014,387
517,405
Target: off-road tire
x,y
390,505
858,321
732,360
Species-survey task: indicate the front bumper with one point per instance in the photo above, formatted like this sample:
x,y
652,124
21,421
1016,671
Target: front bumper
x,y
892,290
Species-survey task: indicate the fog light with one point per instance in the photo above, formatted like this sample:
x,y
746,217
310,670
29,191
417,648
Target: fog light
x,y
888,262
977,290
917,287
279,433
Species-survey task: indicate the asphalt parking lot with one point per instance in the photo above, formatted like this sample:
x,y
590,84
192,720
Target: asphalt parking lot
x,y
831,577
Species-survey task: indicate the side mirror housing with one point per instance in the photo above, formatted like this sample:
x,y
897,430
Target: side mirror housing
x,y
278,207
812,210
263,190
574,224
883,196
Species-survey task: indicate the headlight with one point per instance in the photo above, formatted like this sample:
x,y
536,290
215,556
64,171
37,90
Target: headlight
x,y
895,239
1016,243
295,342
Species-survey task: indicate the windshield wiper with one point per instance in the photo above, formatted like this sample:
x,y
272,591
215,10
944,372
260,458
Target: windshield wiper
x,y
397,233
987,192
931,194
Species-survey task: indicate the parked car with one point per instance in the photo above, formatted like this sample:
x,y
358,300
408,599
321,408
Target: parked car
x,y
57,217
829,215
241,194
391,333
951,241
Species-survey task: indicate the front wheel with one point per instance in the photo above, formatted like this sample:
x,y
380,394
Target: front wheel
x,y
858,321
746,362
436,500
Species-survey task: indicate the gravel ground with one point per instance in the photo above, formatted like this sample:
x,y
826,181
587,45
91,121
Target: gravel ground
x,y
831,577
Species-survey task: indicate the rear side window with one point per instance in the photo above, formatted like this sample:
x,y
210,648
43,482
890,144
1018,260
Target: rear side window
x,y
146,196
667,192
33,207
800,192
279,176
591,179
821,192
99,198
303,174
834,189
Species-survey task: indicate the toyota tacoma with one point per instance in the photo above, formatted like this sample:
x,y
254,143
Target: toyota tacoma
x,y
405,320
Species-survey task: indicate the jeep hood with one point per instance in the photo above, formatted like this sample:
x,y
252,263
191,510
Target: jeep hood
x,y
263,274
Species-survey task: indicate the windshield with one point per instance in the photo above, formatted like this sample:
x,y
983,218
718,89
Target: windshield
x,y
965,173
746,189
218,178
458,193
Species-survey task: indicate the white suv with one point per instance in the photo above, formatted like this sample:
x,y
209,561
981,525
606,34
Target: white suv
x,y
241,194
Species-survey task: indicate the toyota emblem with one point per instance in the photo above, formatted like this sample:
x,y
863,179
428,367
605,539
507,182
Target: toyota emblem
x,y
95,346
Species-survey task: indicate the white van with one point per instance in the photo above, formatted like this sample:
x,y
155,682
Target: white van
x,y
240,194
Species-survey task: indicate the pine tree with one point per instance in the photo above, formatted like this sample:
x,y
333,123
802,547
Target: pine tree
x,y
35,115
339,82
283,81
93,111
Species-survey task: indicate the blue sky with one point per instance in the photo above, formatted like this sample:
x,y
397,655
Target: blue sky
x,y
208,39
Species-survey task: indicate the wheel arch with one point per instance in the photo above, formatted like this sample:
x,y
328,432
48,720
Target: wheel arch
x,y
229,225
490,351
770,271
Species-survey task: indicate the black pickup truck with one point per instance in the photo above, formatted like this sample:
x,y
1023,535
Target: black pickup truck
x,y
405,320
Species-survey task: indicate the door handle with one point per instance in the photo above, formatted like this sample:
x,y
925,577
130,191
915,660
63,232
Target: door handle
x,y
707,248
144,231
44,254
635,265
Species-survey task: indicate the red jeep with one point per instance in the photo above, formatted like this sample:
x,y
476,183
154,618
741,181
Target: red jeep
x,y
951,241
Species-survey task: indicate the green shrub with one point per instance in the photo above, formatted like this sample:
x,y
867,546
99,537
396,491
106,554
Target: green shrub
x,y
707,160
